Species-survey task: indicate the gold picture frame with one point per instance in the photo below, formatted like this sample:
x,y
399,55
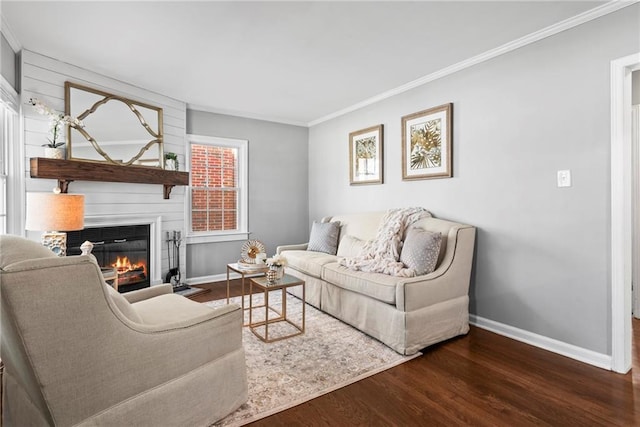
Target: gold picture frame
x,y
426,144
366,156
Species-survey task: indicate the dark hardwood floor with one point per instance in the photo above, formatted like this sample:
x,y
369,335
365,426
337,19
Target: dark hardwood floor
x,y
481,379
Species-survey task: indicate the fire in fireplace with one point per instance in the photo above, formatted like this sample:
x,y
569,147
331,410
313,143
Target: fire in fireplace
x,y
129,272
125,248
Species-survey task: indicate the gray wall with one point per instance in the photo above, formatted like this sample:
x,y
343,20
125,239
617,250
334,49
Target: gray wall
x,y
7,61
543,253
278,187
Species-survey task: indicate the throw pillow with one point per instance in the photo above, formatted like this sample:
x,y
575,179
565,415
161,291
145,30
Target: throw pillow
x,y
420,250
350,246
324,237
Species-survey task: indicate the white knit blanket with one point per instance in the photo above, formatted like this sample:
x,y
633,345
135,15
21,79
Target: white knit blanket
x,y
382,254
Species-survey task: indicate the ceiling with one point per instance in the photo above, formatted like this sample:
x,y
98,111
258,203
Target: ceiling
x,y
291,62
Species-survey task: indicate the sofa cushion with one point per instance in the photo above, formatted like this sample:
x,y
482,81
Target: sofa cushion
x,y
324,237
169,308
350,246
420,250
308,262
375,285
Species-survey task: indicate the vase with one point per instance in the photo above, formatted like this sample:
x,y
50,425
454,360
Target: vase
x,y
54,153
272,275
171,164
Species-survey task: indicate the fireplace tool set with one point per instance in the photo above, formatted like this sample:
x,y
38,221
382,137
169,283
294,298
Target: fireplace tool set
x,y
174,240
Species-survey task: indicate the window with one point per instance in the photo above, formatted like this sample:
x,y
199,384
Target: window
x,y
8,119
3,168
218,190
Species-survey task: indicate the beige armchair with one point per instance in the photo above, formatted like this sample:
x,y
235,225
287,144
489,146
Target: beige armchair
x,y
76,352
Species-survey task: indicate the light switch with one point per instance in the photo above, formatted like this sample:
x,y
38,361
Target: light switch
x,y
564,178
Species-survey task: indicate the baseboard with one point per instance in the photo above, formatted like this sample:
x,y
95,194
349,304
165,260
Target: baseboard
x,y
599,360
209,279
220,278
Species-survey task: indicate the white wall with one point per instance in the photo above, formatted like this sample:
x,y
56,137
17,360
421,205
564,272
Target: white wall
x,y
543,253
43,78
635,94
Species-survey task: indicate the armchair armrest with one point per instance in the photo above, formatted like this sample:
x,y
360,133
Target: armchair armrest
x,y
146,293
166,351
299,247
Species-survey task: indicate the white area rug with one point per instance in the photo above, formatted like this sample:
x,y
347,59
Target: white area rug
x,y
328,356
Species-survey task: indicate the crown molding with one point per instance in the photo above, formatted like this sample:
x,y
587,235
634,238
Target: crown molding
x,y
246,115
549,31
9,36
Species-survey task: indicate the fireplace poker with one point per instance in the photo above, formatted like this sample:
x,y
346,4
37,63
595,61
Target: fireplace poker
x,y
173,276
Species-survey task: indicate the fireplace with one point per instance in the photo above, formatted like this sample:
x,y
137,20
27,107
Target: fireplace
x,y
126,248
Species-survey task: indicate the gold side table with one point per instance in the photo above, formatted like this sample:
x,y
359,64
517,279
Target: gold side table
x,y
243,271
262,284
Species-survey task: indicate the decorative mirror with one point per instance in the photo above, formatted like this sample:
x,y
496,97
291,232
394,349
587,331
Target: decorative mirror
x,y
115,130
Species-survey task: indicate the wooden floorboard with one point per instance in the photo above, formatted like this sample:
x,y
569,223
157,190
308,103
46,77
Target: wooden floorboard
x,y
480,379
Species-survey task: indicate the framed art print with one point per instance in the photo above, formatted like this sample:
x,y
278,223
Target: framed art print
x,y
426,143
365,156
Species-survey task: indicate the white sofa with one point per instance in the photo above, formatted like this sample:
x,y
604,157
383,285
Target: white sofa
x,y
407,314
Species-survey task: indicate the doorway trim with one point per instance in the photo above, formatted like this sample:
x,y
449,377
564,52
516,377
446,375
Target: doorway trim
x,y
621,207
635,143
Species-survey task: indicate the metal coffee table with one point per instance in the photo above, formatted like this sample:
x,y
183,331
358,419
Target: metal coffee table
x,y
262,284
243,271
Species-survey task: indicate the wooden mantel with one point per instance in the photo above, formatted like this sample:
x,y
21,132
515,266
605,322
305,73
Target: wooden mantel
x,y
66,171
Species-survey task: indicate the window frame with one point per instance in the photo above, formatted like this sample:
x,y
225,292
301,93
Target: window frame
x,y
13,152
242,232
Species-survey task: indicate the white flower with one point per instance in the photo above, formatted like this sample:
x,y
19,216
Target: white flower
x,y
57,121
277,261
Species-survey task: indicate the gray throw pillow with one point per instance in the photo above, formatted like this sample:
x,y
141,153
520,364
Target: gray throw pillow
x,y
324,237
420,250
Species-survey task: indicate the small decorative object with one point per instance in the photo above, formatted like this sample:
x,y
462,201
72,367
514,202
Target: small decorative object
x,y
86,247
276,267
171,161
55,148
426,143
365,156
272,275
54,152
250,251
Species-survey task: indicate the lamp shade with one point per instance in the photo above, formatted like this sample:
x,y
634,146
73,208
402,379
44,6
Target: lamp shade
x,y
55,212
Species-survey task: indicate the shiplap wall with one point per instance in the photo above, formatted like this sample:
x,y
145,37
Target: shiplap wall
x,y
43,78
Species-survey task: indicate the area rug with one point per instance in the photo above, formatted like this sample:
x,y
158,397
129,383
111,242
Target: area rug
x,y
328,356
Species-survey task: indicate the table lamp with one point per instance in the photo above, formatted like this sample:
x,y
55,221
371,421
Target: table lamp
x,y
55,211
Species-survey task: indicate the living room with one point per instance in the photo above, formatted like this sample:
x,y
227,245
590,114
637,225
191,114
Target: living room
x,y
543,270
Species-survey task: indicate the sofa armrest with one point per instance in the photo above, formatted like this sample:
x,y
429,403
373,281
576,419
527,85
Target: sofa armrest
x,y
146,293
450,280
300,247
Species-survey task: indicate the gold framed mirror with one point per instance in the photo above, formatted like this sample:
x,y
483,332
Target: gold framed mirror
x,y
115,129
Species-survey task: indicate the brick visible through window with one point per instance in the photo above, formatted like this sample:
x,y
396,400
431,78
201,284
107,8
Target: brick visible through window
x,y
214,188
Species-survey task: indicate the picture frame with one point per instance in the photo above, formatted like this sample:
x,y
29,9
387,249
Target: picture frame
x,y
366,151
427,143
